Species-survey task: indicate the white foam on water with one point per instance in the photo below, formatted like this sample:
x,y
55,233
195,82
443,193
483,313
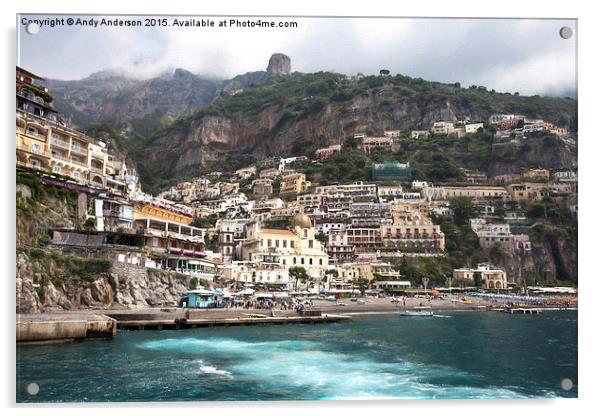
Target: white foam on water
x,y
207,369
306,370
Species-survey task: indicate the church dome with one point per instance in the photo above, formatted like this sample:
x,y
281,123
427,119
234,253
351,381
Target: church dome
x,y
301,220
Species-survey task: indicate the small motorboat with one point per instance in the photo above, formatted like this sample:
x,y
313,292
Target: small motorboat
x,y
418,311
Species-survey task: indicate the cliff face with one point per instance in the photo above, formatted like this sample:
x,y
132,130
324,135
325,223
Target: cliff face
x,y
278,129
46,283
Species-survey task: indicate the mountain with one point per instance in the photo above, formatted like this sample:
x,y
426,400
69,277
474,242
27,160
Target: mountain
x,y
132,106
140,107
295,114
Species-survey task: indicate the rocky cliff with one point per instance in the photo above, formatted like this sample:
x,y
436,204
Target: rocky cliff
x,y
291,116
48,281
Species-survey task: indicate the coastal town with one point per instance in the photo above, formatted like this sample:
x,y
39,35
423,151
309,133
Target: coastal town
x,y
327,211
267,228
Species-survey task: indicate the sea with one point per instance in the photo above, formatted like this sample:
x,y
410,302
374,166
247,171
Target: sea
x,y
453,355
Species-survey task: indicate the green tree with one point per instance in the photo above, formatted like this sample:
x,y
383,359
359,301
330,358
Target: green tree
x,y
462,208
299,274
362,284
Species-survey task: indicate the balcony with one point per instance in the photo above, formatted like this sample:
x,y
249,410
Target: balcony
x,y
97,170
79,162
41,151
60,143
80,150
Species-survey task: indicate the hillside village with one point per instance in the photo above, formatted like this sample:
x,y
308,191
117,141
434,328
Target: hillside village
x,y
268,226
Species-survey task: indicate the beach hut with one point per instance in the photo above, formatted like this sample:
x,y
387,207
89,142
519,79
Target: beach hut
x,y
202,298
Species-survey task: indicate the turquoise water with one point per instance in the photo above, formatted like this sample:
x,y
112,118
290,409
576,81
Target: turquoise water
x,y
463,355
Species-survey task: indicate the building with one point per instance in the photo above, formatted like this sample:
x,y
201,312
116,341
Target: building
x,y
418,134
443,127
364,238
356,191
294,183
491,277
507,178
391,171
262,187
537,174
368,144
269,173
338,246
326,152
528,191
392,133
495,119
509,124
230,233
284,162
295,246
412,231
490,234
472,127
474,192
246,173
257,273
388,193
44,142
566,176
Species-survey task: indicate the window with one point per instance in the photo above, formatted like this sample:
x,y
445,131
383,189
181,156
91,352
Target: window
x,y
320,262
269,242
56,169
311,243
284,243
36,148
76,175
277,243
284,262
32,130
294,260
311,261
305,233
34,164
302,260
292,244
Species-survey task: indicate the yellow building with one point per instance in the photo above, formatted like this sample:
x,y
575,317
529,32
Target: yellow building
x,y
45,143
294,183
296,246
158,211
412,229
491,277
528,191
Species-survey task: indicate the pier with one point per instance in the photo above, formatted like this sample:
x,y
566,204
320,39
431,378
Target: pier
x,y
72,326
524,311
200,318
62,327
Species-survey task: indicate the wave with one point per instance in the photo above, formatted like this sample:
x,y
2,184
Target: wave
x,y
307,370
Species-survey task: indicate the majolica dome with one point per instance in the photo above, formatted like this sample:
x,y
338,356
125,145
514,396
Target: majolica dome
x,y
302,220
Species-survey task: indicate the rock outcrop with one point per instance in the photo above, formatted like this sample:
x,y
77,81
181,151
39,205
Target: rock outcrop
x,y
279,64
43,286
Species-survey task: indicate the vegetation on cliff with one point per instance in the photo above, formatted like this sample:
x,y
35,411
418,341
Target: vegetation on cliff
x,y
298,114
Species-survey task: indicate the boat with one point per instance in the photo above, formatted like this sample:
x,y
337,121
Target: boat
x,y
418,311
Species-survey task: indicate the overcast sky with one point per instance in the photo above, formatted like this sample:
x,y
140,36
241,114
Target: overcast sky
x,y
528,56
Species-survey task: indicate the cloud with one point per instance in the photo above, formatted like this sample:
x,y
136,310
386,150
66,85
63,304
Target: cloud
x,y
509,55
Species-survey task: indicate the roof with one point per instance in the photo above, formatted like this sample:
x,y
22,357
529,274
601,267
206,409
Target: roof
x,y
274,231
26,72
